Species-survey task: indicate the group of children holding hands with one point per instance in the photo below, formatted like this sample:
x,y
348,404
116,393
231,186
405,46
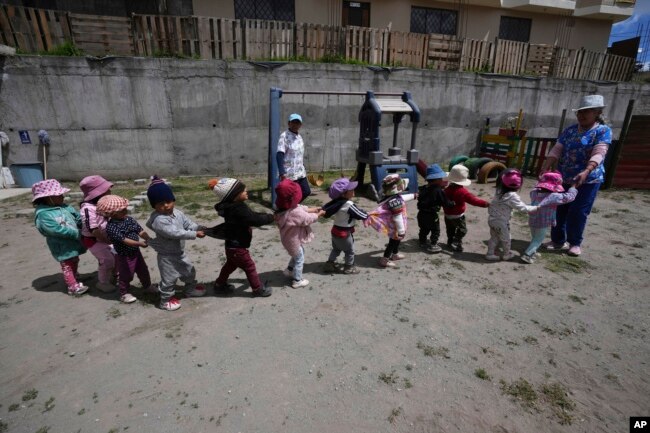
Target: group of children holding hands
x,y
114,238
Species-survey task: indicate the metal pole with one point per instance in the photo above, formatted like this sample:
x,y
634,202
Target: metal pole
x,y
274,133
559,131
321,92
610,169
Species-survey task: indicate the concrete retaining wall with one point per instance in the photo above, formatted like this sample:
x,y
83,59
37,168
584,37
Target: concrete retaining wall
x,y
133,117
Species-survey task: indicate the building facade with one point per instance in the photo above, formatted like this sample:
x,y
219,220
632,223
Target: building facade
x,y
567,23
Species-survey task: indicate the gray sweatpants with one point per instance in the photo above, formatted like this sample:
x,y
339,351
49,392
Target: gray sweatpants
x,y
173,267
346,245
499,236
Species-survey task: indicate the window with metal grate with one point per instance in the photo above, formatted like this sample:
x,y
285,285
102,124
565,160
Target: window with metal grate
x,y
281,10
427,20
515,29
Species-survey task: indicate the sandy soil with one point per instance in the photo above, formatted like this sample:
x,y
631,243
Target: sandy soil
x,y
445,343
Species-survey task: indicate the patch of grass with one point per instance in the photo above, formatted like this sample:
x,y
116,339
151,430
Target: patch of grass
x,y
113,313
3,426
30,395
13,407
616,355
319,374
407,383
433,351
394,414
530,339
558,398
65,49
521,390
81,411
49,404
561,263
389,378
43,429
482,374
577,299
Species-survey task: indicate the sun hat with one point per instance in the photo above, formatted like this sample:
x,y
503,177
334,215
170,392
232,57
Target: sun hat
x,y
295,116
159,191
341,186
393,184
435,172
94,186
109,204
288,194
458,175
511,178
227,189
47,188
551,180
591,101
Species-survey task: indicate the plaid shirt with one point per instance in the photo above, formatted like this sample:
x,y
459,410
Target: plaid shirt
x,y
548,202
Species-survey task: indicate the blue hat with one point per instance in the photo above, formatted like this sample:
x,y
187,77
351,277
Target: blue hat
x,y
435,172
159,192
295,116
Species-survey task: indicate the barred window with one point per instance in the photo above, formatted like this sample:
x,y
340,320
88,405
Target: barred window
x,y
281,10
426,20
515,29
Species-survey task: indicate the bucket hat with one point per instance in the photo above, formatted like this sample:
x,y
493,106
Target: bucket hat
x,y
47,188
94,186
591,101
110,204
341,186
511,178
435,172
551,181
458,175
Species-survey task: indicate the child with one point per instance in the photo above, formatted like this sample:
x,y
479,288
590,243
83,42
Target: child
x,y
505,200
346,214
430,198
239,220
172,228
455,215
125,233
93,230
59,223
293,221
391,217
548,194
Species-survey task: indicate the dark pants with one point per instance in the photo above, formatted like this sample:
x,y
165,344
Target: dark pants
x,y
456,230
429,222
127,267
304,187
392,248
572,217
239,258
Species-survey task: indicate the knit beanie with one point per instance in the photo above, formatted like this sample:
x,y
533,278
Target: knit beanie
x,y
288,195
159,191
227,189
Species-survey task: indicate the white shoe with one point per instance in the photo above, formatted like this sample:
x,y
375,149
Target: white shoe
x,y
492,257
384,262
398,256
172,305
77,290
128,298
299,284
509,255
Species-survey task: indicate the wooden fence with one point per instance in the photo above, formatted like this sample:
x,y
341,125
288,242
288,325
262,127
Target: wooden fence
x,y
38,30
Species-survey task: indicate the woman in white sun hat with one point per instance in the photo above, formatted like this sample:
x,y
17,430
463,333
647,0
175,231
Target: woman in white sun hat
x,y
579,154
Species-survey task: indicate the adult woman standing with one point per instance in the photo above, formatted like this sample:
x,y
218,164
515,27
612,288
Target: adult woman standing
x,y
579,154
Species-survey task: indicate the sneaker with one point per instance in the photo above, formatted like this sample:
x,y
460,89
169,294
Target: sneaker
x,y
385,262
106,287
298,284
434,248
128,298
172,304
527,259
152,289
552,246
288,273
330,267
263,291
196,292
457,246
350,270
574,251
398,256
492,257
508,256
223,288
77,290
536,256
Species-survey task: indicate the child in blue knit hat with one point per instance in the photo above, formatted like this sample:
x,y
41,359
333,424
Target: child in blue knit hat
x,y
172,228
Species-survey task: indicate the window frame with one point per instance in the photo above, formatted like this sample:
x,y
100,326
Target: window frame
x,y
520,19
428,10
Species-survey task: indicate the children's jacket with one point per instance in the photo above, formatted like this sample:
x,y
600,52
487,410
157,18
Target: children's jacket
x,y
390,217
461,195
431,198
548,203
239,219
171,231
60,226
294,228
502,205
346,214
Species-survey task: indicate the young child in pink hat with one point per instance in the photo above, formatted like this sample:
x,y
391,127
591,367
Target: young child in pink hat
x,y
93,230
59,223
548,194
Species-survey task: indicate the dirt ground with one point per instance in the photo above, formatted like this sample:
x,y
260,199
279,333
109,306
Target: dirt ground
x,y
445,343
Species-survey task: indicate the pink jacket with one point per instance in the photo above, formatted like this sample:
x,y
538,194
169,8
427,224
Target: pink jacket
x,y
294,228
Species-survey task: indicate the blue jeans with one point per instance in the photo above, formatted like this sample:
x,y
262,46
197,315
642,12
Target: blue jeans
x,y
296,263
572,217
537,236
